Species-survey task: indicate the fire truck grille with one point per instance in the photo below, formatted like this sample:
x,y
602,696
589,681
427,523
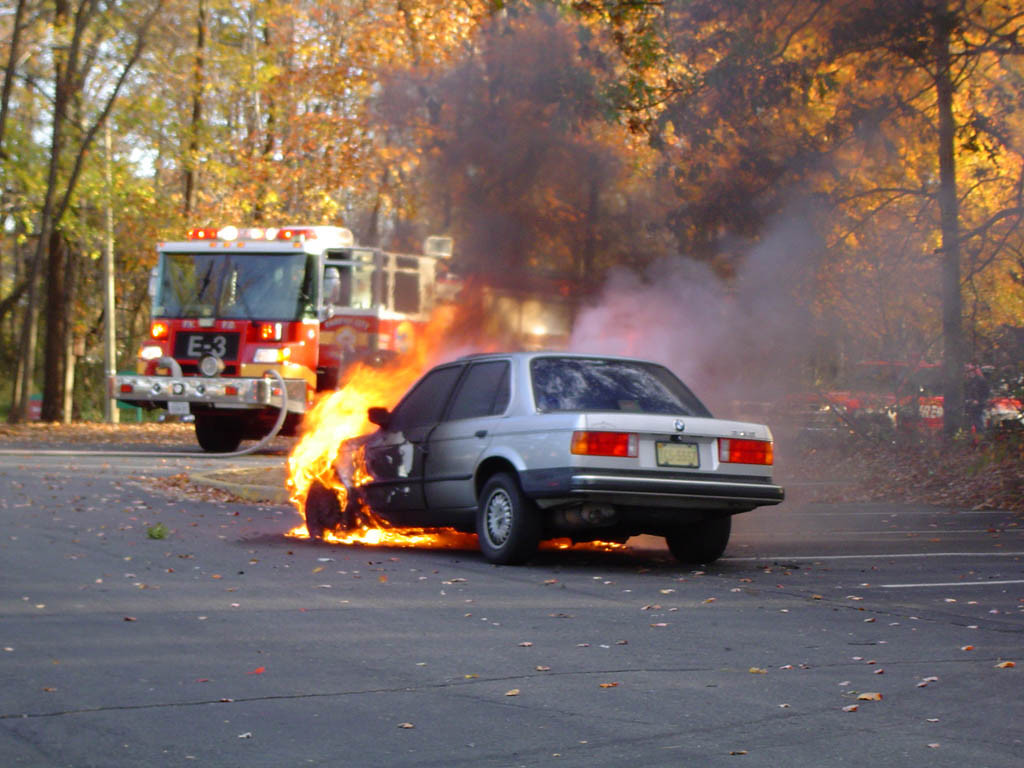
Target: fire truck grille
x,y
192,345
192,369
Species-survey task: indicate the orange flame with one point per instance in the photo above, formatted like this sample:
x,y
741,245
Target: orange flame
x,y
342,414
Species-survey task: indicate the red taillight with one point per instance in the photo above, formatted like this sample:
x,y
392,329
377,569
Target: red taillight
x,y
270,331
202,233
736,451
126,388
159,330
604,443
230,390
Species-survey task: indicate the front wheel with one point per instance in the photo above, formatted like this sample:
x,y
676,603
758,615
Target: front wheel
x,y
323,511
701,542
218,434
508,524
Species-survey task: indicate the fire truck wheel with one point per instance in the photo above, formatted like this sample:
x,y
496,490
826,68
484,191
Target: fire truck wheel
x,y
508,524
701,542
217,434
323,510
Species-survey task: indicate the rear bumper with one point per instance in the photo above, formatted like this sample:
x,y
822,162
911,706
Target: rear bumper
x,y
215,391
733,493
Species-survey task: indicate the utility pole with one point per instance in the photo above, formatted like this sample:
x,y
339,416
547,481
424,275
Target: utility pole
x,y
110,413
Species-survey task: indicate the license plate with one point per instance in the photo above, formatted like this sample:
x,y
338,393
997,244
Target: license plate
x,y
677,454
177,407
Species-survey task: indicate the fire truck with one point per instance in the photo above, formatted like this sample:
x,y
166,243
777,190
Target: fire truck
x,y
249,324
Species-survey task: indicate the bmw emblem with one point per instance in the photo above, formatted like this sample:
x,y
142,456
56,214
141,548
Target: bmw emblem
x,y
679,425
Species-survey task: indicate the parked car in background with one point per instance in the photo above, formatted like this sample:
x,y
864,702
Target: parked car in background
x,y
523,447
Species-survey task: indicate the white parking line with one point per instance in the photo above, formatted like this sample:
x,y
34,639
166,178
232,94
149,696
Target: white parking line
x,y
873,556
950,584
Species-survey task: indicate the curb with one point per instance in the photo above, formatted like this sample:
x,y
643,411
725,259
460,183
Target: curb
x,y
229,480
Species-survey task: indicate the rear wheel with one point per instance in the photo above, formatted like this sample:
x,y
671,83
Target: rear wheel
x,y
323,510
218,434
700,542
508,524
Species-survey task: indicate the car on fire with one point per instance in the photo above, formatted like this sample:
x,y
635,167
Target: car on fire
x,y
528,446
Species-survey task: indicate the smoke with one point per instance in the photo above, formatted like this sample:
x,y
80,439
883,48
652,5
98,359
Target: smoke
x,y
736,343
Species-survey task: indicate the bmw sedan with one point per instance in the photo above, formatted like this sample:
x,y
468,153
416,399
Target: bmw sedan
x,y
524,447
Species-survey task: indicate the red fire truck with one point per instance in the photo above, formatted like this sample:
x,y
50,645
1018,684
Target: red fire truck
x,y
247,322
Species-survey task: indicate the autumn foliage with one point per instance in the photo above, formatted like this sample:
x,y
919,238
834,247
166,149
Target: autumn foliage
x,y
559,143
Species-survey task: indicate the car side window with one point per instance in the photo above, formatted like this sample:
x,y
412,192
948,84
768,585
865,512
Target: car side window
x,y
425,403
484,391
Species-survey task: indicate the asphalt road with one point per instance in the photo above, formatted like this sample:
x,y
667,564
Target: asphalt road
x,y
227,643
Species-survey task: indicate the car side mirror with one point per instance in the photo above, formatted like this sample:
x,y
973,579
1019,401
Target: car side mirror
x,y
379,416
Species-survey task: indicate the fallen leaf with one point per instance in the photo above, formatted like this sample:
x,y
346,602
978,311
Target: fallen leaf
x,y
967,648
542,668
758,671
850,708
258,671
382,578
870,696
471,676
526,644
246,735
130,618
1006,665
609,685
513,692
406,725
738,752
318,569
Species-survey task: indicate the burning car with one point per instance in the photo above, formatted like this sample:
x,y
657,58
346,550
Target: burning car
x,y
524,447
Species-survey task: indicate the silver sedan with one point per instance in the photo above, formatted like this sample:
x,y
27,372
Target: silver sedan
x,y
523,447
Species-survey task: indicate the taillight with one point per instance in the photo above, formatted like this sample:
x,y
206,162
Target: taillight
x,y
604,443
736,451
270,331
159,330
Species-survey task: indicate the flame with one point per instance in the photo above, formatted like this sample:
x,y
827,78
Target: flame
x,y
340,415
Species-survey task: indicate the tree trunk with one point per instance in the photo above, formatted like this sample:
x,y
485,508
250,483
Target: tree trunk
x,y
56,330
12,61
953,360
192,152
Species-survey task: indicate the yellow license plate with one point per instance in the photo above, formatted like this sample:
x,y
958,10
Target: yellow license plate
x,y
677,454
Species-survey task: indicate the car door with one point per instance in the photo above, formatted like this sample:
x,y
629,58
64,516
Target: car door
x,y
395,453
480,399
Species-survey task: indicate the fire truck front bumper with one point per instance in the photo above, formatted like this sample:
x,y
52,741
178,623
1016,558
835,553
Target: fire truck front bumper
x,y
178,394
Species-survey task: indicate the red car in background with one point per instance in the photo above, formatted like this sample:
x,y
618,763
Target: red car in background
x,y
883,397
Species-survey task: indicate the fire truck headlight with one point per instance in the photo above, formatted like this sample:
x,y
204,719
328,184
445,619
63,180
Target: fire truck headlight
x,y
151,353
271,355
178,388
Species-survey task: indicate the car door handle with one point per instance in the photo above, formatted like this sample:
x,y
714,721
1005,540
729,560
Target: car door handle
x,y
481,433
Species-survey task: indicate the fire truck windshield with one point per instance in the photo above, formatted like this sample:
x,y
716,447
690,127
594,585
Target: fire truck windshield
x,y
229,284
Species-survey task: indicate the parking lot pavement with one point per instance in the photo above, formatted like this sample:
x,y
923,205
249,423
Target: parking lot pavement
x,y
828,635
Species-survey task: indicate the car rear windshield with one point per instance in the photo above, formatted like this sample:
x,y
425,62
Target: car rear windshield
x,y
596,384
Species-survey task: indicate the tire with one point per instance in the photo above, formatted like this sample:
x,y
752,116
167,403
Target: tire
x,y
218,434
702,542
508,524
322,509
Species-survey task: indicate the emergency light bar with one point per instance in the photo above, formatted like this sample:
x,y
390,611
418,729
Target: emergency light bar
x,y
288,234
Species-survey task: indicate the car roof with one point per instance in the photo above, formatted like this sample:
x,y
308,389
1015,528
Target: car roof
x,y
527,356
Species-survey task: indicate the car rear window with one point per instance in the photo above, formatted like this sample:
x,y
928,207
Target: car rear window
x,y
596,384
